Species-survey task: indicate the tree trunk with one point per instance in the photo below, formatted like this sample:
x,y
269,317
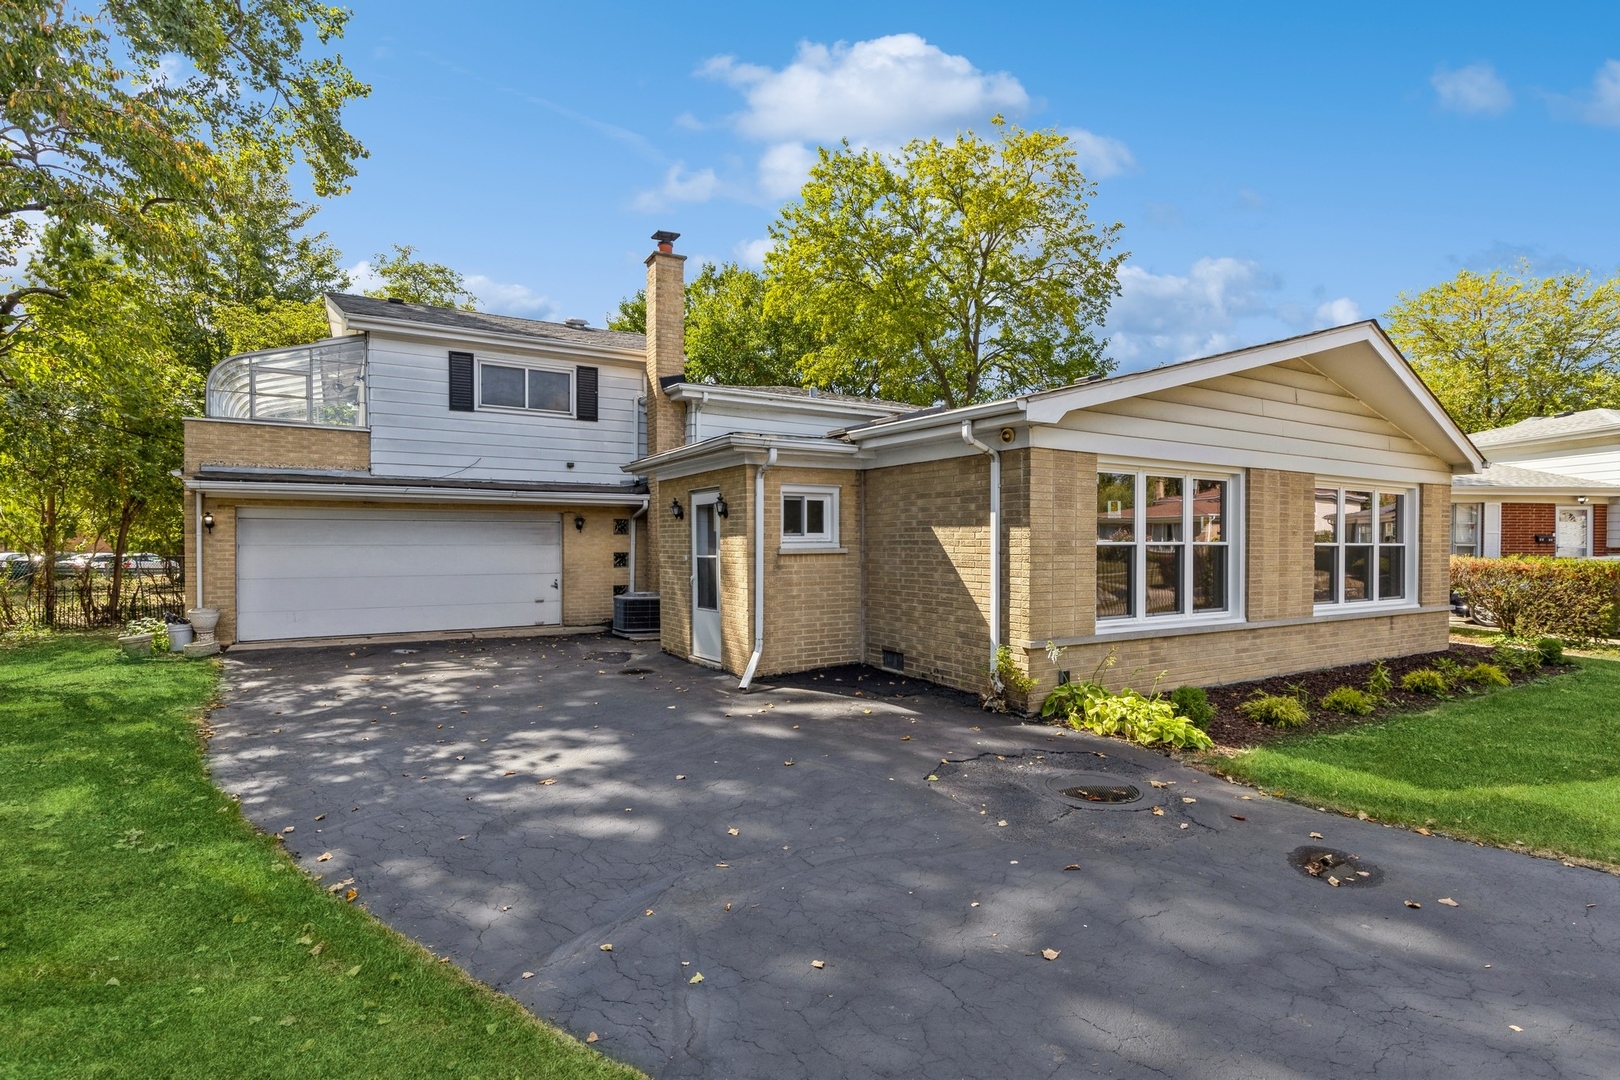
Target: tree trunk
x,y
48,567
115,592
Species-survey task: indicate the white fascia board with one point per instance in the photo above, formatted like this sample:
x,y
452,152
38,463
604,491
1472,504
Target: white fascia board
x,y
1475,492
723,451
405,492
731,395
941,425
452,335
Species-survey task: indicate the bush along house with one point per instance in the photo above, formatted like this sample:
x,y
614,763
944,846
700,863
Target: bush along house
x,y
1263,511
1550,488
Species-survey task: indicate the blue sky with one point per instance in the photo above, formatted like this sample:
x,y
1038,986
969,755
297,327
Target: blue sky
x,y
1276,167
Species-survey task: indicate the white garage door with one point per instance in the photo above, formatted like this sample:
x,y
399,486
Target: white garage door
x,y
334,573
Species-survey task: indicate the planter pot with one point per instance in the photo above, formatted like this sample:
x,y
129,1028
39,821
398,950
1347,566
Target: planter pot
x,y
201,648
203,620
136,644
179,636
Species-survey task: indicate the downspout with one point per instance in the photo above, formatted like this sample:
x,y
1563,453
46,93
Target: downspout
x,y
199,548
995,540
759,569
633,517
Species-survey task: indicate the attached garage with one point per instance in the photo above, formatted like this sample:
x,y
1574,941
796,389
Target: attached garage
x,y
317,572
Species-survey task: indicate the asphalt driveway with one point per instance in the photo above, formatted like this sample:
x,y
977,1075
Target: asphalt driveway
x,y
516,805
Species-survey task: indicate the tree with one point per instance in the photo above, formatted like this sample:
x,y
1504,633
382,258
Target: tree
x,y
113,118
1498,348
730,338
408,278
951,272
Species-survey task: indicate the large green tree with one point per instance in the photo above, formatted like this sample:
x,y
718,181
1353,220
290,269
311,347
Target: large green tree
x,y
954,271
730,337
416,281
1498,348
114,118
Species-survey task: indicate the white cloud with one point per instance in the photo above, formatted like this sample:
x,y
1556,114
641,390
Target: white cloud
x,y
782,169
1166,317
1472,89
506,298
679,186
1337,312
1100,156
889,88
1603,107
752,252
362,277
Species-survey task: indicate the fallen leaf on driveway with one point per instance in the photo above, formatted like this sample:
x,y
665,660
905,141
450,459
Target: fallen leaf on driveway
x,y
1184,825
1051,954
733,832
509,772
818,964
695,979
608,947
320,817
592,1037
680,776
789,761
1237,817
1001,824
1316,836
1188,798
1158,811
1515,1027
723,865
1448,901
931,776
351,895
1161,783
289,828
1413,904
905,738
528,975
546,781
1333,881
323,857
1423,832
1072,866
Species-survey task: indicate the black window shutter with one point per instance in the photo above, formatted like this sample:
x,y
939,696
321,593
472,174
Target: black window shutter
x,y
585,393
461,382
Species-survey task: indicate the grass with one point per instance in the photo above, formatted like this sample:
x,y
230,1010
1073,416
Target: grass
x,y
146,929
1537,765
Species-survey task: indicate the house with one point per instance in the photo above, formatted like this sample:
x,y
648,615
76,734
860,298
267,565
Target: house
x,y
1549,489
1263,511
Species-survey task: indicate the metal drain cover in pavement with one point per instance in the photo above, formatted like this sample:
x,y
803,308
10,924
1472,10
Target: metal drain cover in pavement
x,y
1336,868
1082,789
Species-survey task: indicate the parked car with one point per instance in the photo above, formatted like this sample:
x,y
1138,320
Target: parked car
x,y
69,565
145,562
102,563
16,566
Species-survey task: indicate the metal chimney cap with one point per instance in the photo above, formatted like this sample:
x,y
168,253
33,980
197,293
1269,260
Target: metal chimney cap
x,y
664,237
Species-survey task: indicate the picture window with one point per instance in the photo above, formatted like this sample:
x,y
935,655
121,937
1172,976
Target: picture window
x,y
1163,544
504,386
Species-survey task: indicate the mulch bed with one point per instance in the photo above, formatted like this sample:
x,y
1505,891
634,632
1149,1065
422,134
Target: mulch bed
x,y
1230,730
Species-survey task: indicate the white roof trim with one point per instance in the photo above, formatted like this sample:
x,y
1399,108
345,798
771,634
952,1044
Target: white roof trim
x,y
737,448
742,395
405,492
343,324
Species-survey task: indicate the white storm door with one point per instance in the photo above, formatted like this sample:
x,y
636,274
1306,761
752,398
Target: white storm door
x,y
705,577
1572,532
317,572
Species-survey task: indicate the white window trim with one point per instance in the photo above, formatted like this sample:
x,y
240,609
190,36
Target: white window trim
x,y
527,366
1411,541
827,541
1233,528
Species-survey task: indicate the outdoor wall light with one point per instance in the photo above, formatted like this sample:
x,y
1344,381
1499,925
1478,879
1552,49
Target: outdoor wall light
x,y
675,509
579,522
208,522
1581,499
720,506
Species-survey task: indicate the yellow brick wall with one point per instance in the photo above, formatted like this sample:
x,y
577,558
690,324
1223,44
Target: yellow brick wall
x,y
1280,510
1051,571
588,571
1229,656
812,599
927,577
1434,534
285,446
736,555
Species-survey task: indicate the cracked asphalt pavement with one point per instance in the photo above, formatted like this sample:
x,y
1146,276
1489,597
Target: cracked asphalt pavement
x,y
517,804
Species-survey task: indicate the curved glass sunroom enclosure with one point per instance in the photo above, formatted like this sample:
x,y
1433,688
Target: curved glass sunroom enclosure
x,y
323,383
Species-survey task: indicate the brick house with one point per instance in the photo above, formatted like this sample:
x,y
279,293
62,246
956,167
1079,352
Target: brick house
x,y
1550,488
1263,511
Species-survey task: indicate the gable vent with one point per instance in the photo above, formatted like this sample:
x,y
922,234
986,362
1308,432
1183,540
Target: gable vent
x,y
461,382
585,380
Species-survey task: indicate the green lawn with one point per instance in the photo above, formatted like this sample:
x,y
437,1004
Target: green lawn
x,y
1538,764
147,930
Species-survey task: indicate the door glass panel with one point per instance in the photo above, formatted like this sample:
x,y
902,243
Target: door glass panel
x,y
706,538
1571,533
1116,508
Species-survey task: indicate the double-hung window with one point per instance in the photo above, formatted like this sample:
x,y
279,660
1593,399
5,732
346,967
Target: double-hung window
x,y
1163,544
1466,519
1361,544
507,386
809,517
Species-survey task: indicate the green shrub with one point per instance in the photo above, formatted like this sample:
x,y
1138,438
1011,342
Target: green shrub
x,y
1283,710
1485,675
1509,658
1008,673
1426,681
1192,703
1148,720
1550,649
1348,699
1379,681
1577,599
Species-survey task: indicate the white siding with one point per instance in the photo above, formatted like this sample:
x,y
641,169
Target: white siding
x,y
414,433
705,421
1588,464
1286,416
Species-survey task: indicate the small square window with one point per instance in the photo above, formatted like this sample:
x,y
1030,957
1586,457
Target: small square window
x,y
809,517
621,526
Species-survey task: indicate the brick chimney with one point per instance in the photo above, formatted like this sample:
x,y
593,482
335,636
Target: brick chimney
x,y
666,343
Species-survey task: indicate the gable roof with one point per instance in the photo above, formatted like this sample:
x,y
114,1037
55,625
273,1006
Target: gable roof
x,y
1358,357
1513,478
363,310
1537,428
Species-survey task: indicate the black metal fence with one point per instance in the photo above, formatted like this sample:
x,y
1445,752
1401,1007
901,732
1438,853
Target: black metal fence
x,y
84,601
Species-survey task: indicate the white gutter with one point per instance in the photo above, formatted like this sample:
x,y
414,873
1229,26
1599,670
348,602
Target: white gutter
x,y
995,540
759,569
419,494
199,499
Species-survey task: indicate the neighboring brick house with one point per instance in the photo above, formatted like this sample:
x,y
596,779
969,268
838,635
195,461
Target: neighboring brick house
x,y
1550,488
1263,511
